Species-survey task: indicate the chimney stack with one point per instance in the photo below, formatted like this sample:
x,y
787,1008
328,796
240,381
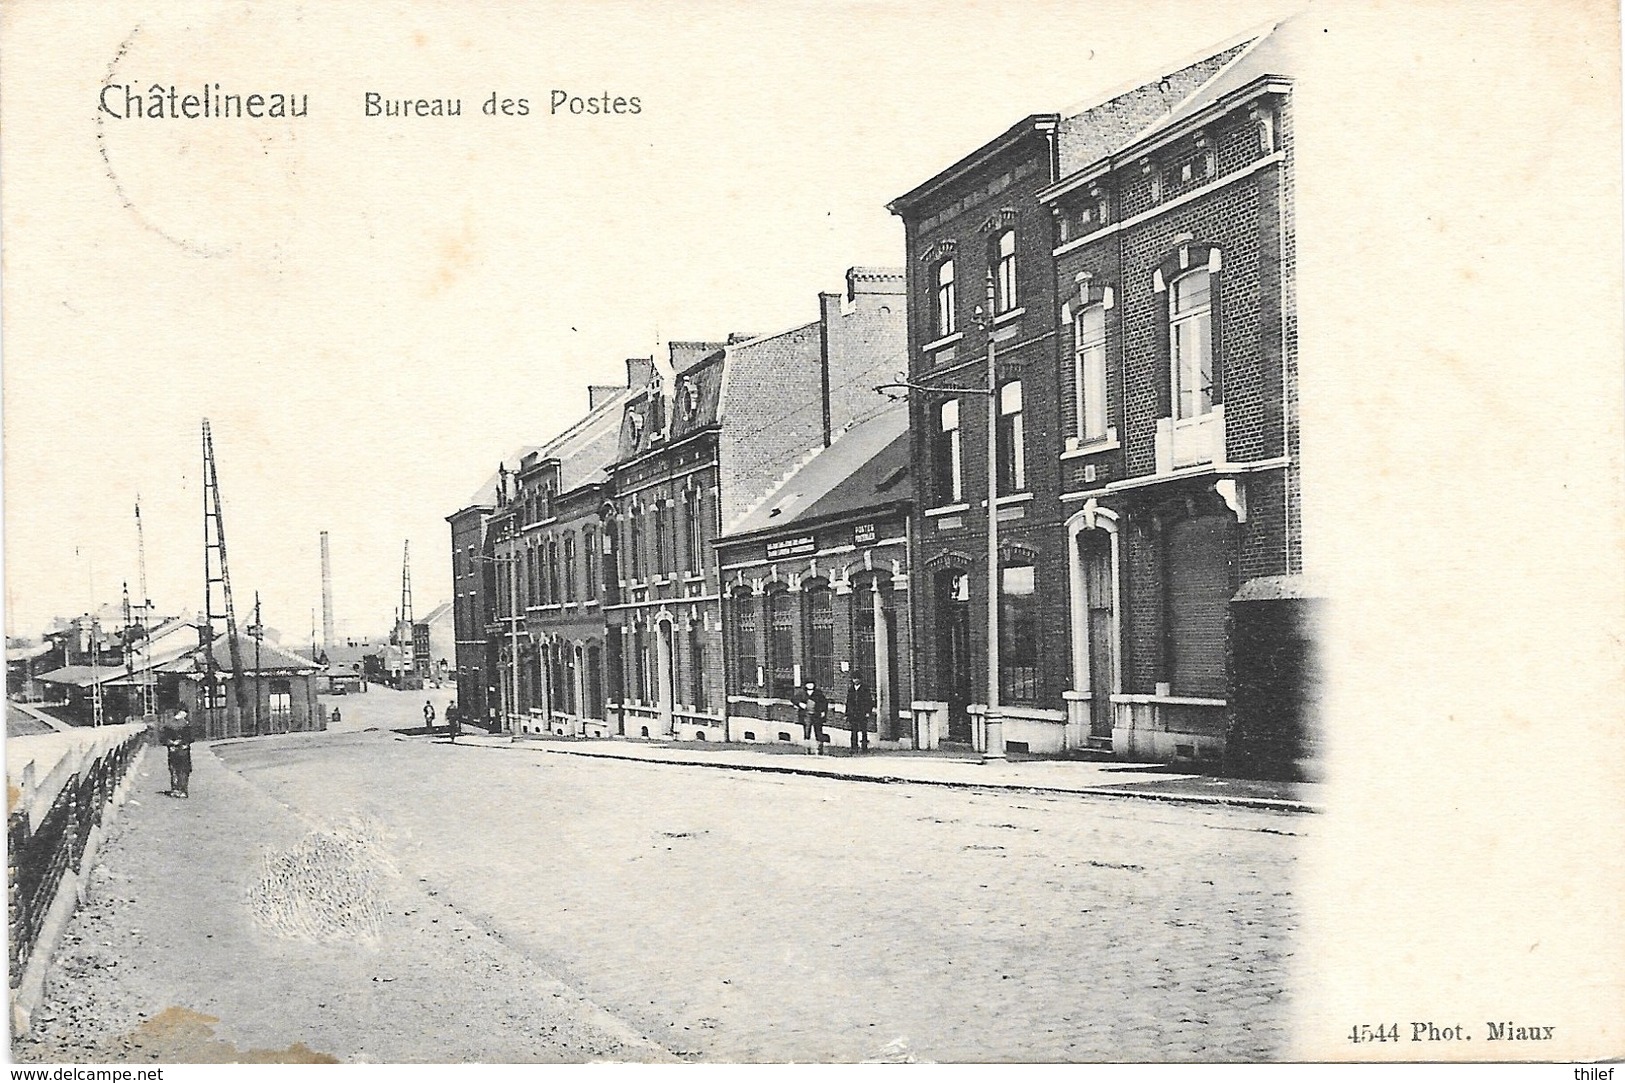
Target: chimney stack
x,y
327,595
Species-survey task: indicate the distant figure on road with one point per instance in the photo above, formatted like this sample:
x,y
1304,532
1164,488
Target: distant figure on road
x,y
454,721
860,705
178,739
335,719
428,715
812,708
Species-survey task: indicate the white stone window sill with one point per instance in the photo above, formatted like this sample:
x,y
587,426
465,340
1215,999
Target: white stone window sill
x,y
1076,447
945,340
946,509
1014,313
1013,498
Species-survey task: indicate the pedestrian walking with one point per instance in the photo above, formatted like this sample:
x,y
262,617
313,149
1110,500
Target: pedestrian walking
x,y
428,715
860,706
812,709
454,721
178,740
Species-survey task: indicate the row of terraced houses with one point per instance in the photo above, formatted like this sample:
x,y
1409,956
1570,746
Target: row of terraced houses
x,y
751,513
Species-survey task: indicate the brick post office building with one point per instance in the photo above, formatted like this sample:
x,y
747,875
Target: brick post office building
x,y
739,415
815,582
1141,252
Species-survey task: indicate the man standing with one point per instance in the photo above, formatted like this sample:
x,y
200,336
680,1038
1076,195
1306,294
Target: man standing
x,y
428,716
454,722
178,739
813,708
860,705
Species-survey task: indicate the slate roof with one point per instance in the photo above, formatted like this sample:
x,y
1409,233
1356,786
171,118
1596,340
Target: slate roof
x,y
1272,53
1090,133
866,466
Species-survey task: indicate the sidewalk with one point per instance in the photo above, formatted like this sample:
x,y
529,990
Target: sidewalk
x,y
1092,778
226,928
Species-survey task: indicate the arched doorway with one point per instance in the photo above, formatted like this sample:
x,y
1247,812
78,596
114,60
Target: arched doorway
x,y
1096,659
953,649
665,670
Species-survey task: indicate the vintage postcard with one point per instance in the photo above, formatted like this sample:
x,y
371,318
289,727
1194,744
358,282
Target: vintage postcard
x,y
822,532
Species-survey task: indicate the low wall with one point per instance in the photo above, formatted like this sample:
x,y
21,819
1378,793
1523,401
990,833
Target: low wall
x,y
60,788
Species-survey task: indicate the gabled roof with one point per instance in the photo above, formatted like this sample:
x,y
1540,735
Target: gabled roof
x,y
1272,54
1089,133
865,466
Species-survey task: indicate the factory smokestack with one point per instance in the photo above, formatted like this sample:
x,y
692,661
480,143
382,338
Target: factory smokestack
x,y
327,596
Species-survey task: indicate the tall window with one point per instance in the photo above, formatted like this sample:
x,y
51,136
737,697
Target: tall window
x,y
1089,371
1198,591
589,561
668,559
946,455
1007,271
1190,336
696,529
1018,634
946,298
820,638
1012,440
696,667
640,664
634,546
781,609
570,567
553,571
659,562
745,639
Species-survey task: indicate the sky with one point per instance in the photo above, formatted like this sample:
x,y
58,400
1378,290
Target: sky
x,y
373,311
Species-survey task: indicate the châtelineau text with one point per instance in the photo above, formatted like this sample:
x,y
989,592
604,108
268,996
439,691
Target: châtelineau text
x,y
127,101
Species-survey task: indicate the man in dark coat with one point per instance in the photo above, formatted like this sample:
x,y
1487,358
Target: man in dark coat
x,y
454,722
860,705
812,708
178,739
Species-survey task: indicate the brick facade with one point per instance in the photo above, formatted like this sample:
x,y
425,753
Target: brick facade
x,y
1155,278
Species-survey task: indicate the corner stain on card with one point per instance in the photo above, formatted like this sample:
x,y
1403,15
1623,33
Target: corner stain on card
x,y
183,1036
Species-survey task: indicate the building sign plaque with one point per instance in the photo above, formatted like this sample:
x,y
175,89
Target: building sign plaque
x,y
791,547
863,534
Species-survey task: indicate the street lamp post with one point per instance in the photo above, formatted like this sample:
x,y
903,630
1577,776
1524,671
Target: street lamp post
x,y
993,739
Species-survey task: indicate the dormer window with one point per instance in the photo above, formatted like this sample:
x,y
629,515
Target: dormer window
x,y
635,423
688,398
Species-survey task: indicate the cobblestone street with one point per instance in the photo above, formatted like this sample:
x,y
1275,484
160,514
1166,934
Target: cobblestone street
x,y
736,916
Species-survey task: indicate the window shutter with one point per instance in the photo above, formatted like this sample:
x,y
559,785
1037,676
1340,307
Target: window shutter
x,y
1199,598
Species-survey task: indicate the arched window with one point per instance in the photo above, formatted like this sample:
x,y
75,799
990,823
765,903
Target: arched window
x,y
946,298
1089,371
1190,339
781,613
820,638
1007,271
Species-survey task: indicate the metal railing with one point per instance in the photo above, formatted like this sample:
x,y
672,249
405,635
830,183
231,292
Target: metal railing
x,y
47,832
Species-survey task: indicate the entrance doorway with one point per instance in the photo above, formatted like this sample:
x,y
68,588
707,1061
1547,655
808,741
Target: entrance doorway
x,y
953,650
1099,604
664,672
